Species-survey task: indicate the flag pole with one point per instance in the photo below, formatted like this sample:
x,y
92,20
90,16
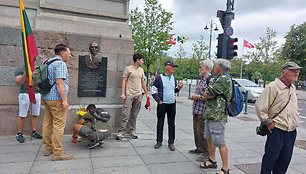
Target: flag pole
x,y
24,38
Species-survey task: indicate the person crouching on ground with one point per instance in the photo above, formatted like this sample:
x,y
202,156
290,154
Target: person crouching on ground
x,y
91,129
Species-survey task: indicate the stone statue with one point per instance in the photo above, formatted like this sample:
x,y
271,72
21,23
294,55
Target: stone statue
x,y
94,59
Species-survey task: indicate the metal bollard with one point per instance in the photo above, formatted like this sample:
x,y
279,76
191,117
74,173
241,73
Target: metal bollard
x,y
177,94
246,103
189,90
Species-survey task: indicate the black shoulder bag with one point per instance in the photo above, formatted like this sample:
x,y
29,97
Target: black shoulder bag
x,y
262,129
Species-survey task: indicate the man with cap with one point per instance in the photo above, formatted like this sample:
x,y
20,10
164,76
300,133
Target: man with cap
x,y
279,98
163,91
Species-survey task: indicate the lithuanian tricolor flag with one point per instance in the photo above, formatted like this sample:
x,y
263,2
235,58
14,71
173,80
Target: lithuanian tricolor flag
x,y
29,50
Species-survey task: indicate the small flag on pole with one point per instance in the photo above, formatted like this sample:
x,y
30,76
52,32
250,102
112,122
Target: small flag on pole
x,y
247,44
29,50
171,41
182,39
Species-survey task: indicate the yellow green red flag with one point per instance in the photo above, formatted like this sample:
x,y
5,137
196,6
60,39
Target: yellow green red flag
x,y
29,50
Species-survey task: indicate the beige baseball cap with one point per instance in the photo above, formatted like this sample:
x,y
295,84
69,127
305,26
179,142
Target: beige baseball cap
x,y
290,65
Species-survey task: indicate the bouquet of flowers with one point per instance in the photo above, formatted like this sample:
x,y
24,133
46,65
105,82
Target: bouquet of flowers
x,y
81,112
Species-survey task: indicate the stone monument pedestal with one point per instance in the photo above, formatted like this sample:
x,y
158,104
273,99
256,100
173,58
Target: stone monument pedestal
x,y
76,23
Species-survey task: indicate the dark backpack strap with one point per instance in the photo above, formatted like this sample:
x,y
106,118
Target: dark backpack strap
x,y
282,108
47,62
51,61
208,80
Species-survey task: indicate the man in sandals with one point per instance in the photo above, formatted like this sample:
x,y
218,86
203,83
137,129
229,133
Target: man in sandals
x,y
216,116
280,98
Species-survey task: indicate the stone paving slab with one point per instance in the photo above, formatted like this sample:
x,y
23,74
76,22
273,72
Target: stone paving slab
x,y
143,169
116,161
164,158
249,168
16,167
174,168
129,156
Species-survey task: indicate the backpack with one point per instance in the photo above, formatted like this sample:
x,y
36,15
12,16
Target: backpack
x,y
40,78
234,106
100,114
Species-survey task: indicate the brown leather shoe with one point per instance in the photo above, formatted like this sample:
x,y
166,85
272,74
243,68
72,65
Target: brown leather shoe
x,y
48,152
64,156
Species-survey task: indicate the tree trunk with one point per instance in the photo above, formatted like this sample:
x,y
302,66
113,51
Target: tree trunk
x,y
147,76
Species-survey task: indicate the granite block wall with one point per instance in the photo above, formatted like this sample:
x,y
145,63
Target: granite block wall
x,y
118,50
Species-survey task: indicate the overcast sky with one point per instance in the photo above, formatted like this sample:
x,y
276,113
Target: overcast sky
x,y
252,17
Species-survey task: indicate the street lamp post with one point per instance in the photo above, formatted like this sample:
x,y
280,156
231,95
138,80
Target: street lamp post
x,y
211,23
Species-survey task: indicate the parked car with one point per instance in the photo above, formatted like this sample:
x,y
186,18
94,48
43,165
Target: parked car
x,y
246,85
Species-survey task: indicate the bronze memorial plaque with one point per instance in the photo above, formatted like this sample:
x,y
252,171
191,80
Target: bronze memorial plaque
x,y
92,81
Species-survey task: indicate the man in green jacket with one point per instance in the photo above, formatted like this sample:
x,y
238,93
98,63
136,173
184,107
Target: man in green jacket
x,y
216,115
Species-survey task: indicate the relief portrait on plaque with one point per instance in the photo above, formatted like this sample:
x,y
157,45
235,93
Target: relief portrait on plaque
x,y
94,59
92,73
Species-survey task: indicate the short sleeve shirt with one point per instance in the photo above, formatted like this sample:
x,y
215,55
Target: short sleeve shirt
x,y
57,70
19,71
134,76
215,107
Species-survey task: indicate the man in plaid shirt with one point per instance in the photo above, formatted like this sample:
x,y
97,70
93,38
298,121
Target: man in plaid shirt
x,y
198,111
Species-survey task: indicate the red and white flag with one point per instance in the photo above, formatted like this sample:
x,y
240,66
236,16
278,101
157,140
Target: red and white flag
x,y
247,44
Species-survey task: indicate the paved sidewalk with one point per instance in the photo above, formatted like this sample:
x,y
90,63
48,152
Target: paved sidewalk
x,y
139,156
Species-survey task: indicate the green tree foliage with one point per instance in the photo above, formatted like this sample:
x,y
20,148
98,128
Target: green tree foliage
x,y
200,49
150,31
267,46
265,62
187,68
294,48
181,53
265,51
236,65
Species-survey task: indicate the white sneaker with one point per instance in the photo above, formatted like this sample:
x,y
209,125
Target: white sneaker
x,y
133,135
119,136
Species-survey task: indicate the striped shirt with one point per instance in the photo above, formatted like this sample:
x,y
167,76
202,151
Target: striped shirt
x,y
57,70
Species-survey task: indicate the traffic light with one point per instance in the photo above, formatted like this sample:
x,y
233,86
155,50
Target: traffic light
x,y
231,49
220,46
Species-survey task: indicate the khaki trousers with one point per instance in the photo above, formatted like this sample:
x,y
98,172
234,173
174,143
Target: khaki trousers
x,y
130,110
198,131
53,126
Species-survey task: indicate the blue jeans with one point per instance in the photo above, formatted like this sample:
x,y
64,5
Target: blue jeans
x,y
278,151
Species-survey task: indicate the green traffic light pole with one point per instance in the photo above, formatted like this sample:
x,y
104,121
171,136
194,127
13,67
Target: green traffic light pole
x,y
225,19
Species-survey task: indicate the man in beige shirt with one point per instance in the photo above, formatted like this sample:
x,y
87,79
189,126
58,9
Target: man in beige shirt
x,y
282,128
132,84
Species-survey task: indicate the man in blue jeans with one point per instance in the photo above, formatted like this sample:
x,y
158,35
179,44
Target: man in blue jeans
x,y
163,91
279,98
